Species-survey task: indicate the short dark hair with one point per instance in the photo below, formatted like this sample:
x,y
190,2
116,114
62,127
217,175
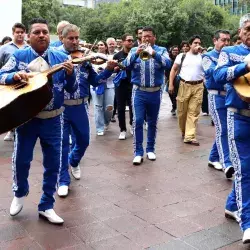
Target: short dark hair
x,y
218,32
148,28
139,28
192,38
37,20
124,37
235,38
6,38
18,25
184,43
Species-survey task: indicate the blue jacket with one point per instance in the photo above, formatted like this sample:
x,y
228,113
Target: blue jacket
x,y
60,80
230,66
209,62
148,73
85,76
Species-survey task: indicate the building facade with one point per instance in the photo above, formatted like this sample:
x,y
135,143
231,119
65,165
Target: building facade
x,y
87,3
236,7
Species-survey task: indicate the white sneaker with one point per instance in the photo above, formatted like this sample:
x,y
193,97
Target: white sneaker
x,y
246,236
151,156
233,215
138,160
9,136
70,140
122,135
76,172
63,191
131,130
51,216
229,172
16,206
100,133
217,165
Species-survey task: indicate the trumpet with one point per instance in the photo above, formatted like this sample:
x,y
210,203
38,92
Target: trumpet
x,y
146,54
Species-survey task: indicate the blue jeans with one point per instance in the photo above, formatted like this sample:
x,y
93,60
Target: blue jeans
x,y
103,106
220,149
145,103
239,144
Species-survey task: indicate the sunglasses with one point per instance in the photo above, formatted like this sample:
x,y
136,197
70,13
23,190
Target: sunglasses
x,y
100,44
129,40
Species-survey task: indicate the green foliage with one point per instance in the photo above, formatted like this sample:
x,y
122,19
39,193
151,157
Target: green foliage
x,y
173,20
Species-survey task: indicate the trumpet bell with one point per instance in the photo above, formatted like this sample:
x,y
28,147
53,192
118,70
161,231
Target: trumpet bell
x,y
144,56
242,87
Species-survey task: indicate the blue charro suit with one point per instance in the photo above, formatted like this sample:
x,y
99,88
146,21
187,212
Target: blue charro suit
x,y
49,131
76,118
146,75
230,66
218,110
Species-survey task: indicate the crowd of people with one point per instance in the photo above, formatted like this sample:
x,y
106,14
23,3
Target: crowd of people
x,y
132,75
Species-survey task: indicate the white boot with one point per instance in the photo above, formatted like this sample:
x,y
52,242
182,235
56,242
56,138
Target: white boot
x,y
217,165
151,156
9,136
229,172
138,160
63,191
246,236
51,216
232,215
76,172
16,206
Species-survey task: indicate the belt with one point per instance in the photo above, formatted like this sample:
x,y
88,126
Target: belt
x,y
217,92
244,112
151,89
192,82
50,114
76,102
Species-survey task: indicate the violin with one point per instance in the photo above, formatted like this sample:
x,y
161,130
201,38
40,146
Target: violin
x,y
87,55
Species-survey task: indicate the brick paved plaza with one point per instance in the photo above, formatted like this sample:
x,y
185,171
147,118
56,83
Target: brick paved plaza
x,y
176,202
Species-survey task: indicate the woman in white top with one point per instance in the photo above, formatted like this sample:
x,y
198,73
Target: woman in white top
x,y
103,96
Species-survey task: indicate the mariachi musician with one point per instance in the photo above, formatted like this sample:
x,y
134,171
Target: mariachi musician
x,y
47,126
76,109
232,65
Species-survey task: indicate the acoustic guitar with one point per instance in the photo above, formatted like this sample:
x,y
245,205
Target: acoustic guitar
x,y
21,101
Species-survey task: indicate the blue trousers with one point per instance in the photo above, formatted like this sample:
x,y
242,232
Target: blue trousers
x,y
239,145
76,120
50,133
220,149
145,103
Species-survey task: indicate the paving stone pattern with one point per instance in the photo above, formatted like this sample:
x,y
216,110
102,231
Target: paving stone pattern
x,y
176,202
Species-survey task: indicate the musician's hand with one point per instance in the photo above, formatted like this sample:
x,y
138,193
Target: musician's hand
x,y
117,69
140,49
21,75
171,89
111,64
69,67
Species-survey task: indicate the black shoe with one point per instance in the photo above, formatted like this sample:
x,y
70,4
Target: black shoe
x,y
173,112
